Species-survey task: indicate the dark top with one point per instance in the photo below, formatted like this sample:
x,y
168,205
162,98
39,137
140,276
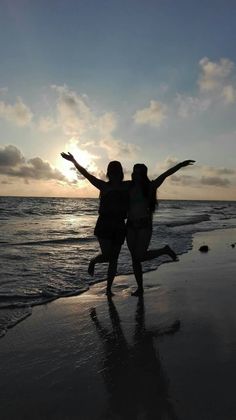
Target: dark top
x,y
114,203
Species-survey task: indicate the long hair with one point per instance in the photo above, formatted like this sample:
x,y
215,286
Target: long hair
x,y
115,170
145,184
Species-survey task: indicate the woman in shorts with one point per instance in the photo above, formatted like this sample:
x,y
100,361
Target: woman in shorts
x,y
142,204
110,228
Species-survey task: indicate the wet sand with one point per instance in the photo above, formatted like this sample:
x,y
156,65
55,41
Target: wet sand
x,y
87,357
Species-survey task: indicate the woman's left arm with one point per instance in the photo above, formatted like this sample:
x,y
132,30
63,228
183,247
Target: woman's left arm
x,y
160,179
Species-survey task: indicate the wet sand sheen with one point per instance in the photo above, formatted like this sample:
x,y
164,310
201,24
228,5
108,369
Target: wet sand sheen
x,y
89,358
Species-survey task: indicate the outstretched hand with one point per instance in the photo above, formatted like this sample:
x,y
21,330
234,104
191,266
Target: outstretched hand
x,y
68,156
187,162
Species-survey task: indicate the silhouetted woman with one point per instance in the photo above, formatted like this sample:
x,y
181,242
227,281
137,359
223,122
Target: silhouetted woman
x,y
142,203
110,228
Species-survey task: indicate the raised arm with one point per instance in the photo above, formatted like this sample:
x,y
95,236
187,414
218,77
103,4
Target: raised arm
x,y
160,179
98,183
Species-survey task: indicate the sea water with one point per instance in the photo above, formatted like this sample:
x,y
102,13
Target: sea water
x,y
47,243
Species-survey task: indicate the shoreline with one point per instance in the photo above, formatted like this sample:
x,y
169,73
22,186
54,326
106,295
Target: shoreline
x,y
29,308
68,362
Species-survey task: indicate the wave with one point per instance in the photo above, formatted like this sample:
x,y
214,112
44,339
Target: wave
x,y
13,318
51,241
175,206
221,207
21,213
13,301
190,221
62,275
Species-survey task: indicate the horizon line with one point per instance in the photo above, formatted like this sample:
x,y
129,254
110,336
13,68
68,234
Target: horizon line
x,y
97,198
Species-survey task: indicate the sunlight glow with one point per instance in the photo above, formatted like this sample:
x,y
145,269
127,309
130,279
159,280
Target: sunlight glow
x,y
83,157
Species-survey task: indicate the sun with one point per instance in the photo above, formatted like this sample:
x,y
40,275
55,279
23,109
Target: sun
x,y
83,157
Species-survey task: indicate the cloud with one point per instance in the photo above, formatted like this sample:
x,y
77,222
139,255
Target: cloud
x,y
216,84
78,121
218,171
14,164
73,114
19,113
10,156
46,124
3,90
202,175
213,74
37,168
190,105
185,180
177,178
168,163
217,78
189,180
229,94
115,148
205,175
215,181
153,115
107,123
163,166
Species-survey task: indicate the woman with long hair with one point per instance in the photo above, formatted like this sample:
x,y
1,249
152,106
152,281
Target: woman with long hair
x,y
142,204
110,228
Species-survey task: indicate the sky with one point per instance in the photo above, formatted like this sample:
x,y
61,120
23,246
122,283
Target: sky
x,y
149,81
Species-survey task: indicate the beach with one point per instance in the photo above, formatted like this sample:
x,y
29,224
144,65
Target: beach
x,y
170,355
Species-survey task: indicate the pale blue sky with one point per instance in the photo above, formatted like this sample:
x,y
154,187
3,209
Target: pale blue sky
x,y
149,81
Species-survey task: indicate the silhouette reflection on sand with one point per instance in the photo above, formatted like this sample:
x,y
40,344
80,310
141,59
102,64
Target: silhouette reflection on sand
x,y
136,383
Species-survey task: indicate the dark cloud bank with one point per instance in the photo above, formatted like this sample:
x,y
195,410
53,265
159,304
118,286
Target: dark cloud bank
x,y
14,164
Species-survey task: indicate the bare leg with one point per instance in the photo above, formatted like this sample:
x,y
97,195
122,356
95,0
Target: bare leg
x,y
138,241
106,246
155,253
138,273
111,273
100,258
110,253
148,255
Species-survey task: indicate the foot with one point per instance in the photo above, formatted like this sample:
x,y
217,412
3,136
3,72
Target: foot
x,y
138,292
93,314
174,327
171,253
91,268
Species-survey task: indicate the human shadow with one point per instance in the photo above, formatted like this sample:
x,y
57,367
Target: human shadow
x,y
134,378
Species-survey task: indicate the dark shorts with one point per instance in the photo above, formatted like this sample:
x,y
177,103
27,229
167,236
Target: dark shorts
x,y
110,228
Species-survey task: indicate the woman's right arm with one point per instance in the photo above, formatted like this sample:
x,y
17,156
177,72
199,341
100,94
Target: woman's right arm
x,y
96,182
160,179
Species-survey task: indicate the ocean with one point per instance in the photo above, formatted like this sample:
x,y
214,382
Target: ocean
x,y
47,243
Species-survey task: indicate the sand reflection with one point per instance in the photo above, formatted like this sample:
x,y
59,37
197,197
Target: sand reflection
x,y
135,380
